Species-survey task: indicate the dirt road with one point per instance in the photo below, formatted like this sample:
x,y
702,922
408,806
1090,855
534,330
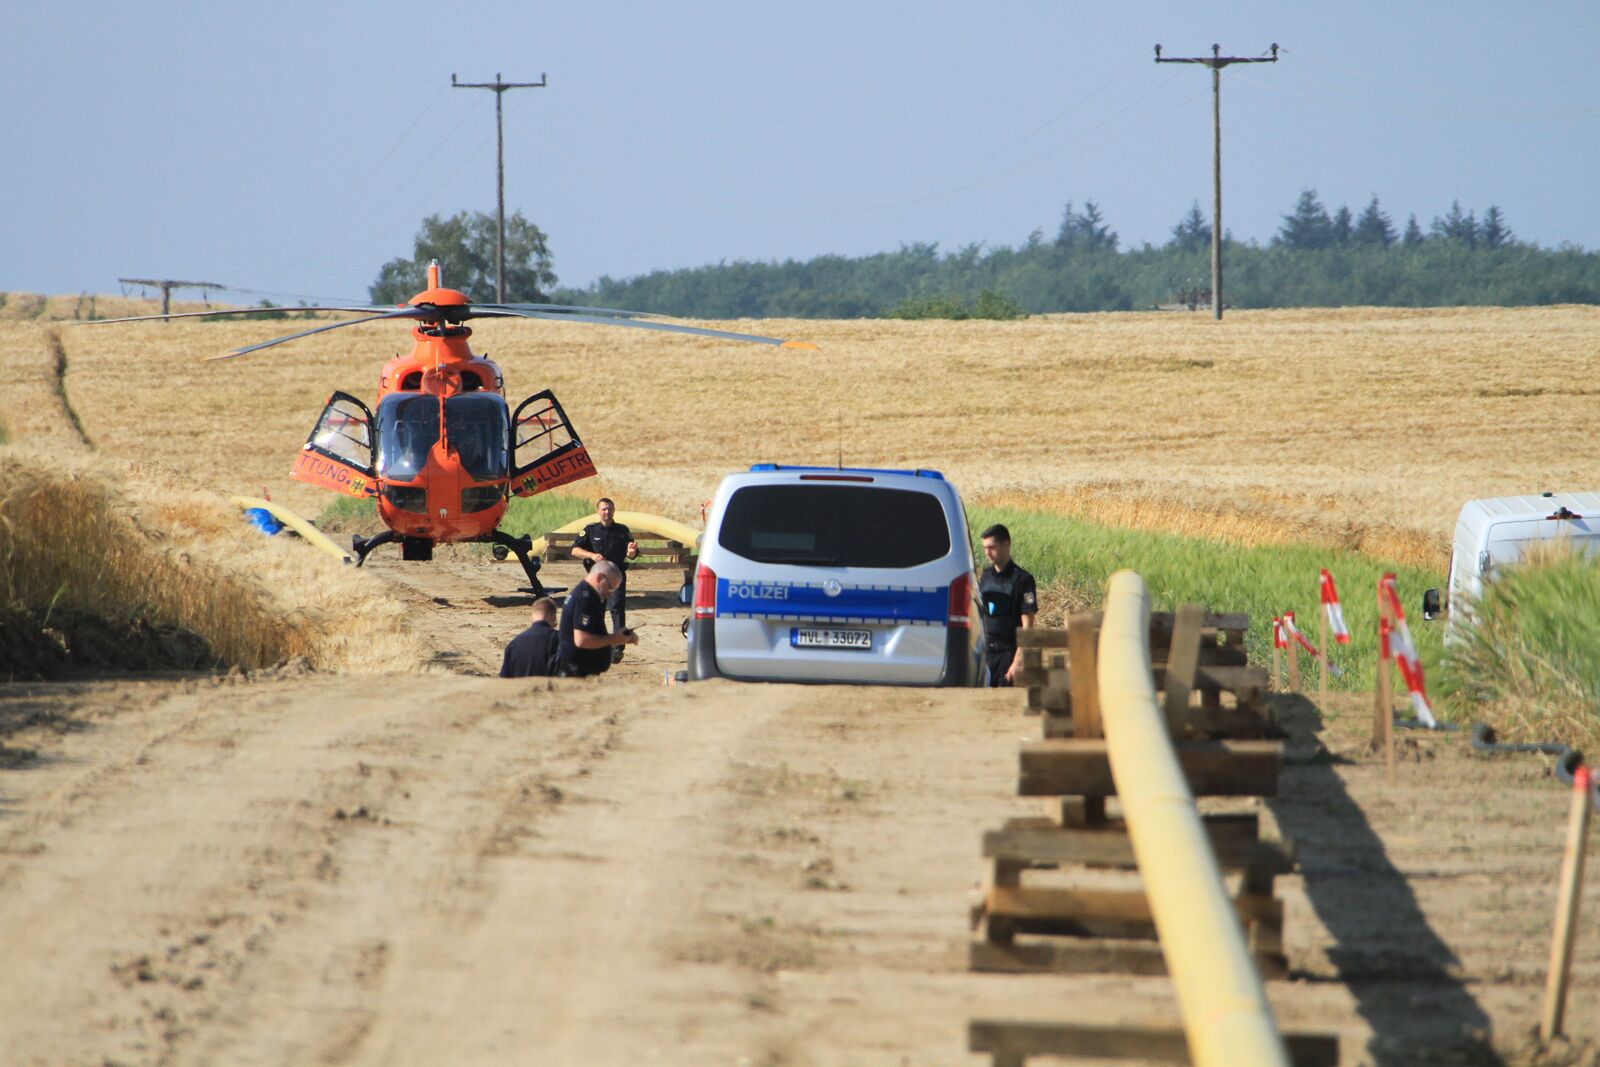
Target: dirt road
x,y
308,869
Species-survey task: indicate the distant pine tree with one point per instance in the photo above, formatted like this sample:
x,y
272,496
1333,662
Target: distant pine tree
x,y
1459,226
1494,232
1374,227
1343,227
1308,226
1413,235
1192,232
1086,231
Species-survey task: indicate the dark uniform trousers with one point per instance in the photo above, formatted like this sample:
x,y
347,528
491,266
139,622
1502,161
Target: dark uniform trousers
x,y
612,543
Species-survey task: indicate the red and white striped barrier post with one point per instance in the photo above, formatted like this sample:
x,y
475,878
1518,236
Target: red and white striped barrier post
x,y
1332,616
1405,653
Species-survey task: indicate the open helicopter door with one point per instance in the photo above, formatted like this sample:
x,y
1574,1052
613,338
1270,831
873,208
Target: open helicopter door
x,y
338,454
545,452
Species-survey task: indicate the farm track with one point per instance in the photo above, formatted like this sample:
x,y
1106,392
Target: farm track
x,y
289,868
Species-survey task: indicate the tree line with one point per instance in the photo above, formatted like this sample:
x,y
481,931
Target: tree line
x,y
1317,258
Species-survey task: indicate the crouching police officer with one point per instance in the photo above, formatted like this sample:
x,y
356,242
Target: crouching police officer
x,y
614,543
585,646
532,653
1010,602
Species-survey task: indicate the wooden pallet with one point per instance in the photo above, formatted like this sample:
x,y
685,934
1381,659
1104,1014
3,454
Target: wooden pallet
x,y
1025,924
1210,689
1011,1043
654,553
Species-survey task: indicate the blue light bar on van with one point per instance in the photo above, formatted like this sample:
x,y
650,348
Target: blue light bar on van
x,y
918,473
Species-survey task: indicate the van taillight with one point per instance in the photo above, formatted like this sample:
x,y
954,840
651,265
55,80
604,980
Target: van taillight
x,y
960,594
705,593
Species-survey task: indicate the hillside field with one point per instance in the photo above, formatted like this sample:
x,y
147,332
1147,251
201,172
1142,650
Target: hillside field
x,y
1364,428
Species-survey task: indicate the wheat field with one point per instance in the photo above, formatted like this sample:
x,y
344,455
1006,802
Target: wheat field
x,y
1361,428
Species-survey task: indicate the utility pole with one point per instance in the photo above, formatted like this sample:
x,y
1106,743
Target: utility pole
x,y
1216,61
499,88
166,285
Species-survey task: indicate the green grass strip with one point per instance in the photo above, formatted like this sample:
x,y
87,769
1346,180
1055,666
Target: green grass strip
x,y
1263,581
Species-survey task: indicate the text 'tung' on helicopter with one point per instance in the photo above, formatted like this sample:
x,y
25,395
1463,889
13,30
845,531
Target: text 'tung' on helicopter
x,y
444,451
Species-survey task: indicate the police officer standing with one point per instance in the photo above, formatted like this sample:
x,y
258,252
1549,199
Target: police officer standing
x,y
585,647
1010,602
613,542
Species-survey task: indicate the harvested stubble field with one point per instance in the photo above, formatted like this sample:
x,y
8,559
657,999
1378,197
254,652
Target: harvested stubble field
x,y
1364,428
304,866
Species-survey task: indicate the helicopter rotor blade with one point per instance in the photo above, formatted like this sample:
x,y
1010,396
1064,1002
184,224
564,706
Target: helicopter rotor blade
x,y
607,312
535,312
228,311
402,313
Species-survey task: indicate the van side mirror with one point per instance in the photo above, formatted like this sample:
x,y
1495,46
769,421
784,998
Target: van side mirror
x,y
1430,604
686,593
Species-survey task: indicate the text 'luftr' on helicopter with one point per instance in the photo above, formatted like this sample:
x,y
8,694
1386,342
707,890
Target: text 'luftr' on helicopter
x,y
444,452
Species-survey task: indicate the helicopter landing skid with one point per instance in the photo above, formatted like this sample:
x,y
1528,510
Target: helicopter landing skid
x,y
363,545
522,547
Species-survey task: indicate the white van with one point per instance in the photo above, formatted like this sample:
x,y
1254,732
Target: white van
x,y
823,574
1494,533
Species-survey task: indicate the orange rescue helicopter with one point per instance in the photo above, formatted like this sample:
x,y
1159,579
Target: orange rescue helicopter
x,y
445,452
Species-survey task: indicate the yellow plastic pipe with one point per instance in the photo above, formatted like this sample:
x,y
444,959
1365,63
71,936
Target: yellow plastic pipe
x,y
642,525
1225,1012
312,536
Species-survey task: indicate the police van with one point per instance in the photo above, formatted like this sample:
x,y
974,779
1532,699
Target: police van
x,y
822,574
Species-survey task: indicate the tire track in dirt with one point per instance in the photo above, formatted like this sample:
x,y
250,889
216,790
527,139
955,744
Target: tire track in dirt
x,y
247,845
58,362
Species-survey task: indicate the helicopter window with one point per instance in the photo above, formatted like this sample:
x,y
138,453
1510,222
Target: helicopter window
x,y
342,432
412,381
479,428
408,426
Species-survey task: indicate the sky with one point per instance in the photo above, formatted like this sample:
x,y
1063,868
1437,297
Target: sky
x,y
288,150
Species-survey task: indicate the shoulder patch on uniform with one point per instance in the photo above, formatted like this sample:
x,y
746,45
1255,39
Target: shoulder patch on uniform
x,y
1028,598
585,620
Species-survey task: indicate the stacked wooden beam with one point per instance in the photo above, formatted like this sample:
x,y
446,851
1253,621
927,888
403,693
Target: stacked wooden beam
x,y
654,553
1061,892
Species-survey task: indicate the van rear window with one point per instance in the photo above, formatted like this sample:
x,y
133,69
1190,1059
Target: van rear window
x,y
835,526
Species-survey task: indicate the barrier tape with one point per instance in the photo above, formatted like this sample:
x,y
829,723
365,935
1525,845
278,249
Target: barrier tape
x,y
1278,640
1305,643
1398,644
1335,612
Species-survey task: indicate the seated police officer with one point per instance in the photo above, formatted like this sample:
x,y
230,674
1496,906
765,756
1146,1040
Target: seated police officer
x,y
1010,602
532,653
585,646
613,542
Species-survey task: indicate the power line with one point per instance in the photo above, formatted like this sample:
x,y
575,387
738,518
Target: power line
x,y
1216,61
166,285
499,88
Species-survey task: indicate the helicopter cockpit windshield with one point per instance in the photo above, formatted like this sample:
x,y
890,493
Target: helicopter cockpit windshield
x,y
479,428
408,427
477,424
